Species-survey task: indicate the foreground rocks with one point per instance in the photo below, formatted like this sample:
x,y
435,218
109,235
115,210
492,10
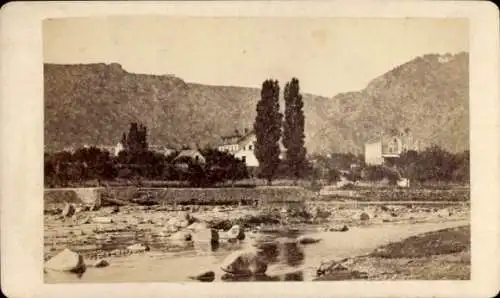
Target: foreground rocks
x,y
66,261
245,262
109,231
101,263
332,270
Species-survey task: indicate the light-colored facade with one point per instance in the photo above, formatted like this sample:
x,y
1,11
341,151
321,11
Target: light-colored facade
x,y
166,151
243,147
373,153
230,143
246,150
384,148
118,148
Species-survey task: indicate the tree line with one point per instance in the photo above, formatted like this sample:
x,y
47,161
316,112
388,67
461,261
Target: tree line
x,y
274,131
136,162
272,127
432,165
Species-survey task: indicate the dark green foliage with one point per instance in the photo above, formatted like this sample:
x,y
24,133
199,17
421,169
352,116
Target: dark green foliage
x,y
333,176
293,129
329,167
435,164
268,130
378,173
90,164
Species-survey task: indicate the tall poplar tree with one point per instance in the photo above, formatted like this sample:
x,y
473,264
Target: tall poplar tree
x,y
267,128
293,129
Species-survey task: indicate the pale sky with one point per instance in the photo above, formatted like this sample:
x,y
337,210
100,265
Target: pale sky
x,y
328,55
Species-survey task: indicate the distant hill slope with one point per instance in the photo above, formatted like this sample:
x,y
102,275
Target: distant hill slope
x,y
94,103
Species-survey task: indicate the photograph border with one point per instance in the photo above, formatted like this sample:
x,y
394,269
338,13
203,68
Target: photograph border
x,y
22,114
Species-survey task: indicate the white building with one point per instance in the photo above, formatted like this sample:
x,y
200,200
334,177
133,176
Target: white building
x,y
118,148
243,147
246,150
387,148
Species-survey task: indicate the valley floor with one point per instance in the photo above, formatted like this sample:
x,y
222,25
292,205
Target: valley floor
x,y
346,231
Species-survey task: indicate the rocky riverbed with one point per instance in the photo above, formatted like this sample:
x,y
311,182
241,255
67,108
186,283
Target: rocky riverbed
x,y
195,242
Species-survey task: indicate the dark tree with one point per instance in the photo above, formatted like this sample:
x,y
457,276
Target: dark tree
x,y
293,129
143,138
136,140
268,130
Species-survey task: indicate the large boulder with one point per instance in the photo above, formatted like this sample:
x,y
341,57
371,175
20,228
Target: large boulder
x,y
68,210
235,233
66,261
245,262
304,239
364,216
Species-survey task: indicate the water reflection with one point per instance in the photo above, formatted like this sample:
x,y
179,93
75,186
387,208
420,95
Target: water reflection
x,y
278,251
283,251
292,254
293,276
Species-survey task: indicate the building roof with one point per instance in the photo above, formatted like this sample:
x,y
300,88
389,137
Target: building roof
x,y
235,138
190,153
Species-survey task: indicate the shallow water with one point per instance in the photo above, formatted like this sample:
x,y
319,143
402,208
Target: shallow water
x,y
289,261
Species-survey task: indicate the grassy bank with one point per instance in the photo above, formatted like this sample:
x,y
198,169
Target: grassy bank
x,y
438,255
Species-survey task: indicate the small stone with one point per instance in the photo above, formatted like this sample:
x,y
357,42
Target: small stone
x,y
101,263
207,276
102,220
364,216
344,228
137,248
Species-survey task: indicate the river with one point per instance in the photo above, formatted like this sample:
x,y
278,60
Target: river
x,y
290,261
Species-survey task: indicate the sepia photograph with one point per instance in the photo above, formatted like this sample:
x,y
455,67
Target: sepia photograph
x,y
255,149
232,148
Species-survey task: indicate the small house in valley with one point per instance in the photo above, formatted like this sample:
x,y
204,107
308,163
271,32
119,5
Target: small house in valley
x,y
242,146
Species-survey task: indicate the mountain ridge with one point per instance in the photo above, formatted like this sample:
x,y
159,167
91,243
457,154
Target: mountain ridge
x,y
94,103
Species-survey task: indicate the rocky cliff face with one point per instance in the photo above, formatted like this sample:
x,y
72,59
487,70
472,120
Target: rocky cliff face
x,y
94,103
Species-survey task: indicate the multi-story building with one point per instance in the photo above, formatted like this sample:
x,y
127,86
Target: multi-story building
x,y
387,148
243,147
